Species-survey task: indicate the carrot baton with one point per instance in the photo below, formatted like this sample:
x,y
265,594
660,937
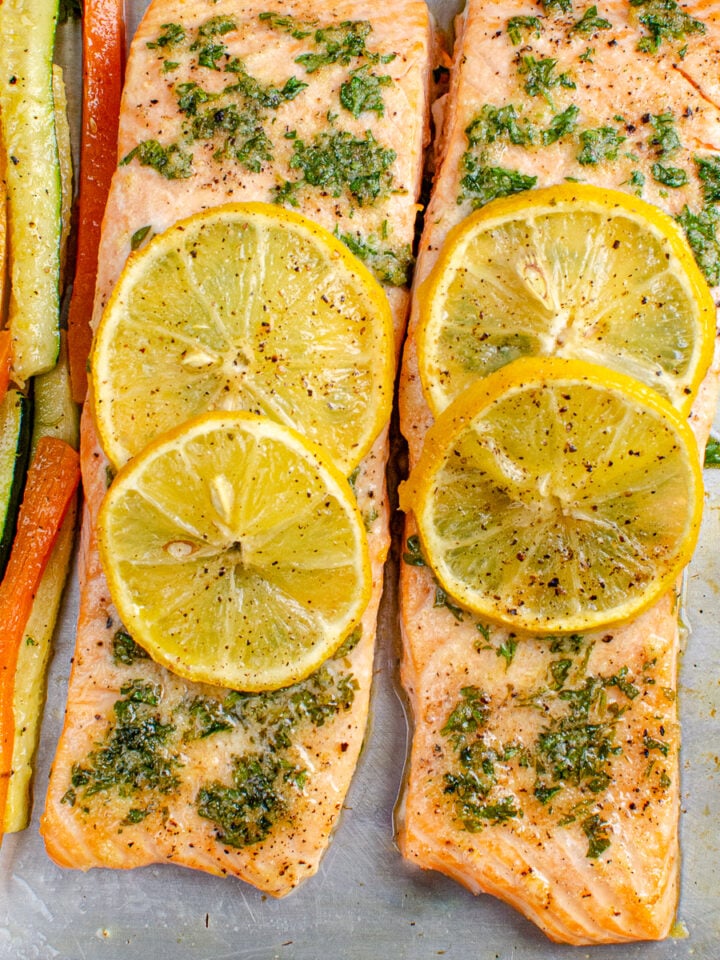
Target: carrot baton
x,y
51,482
5,361
103,63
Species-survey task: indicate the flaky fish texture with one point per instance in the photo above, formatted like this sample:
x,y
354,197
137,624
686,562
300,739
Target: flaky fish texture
x,y
219,97
545,770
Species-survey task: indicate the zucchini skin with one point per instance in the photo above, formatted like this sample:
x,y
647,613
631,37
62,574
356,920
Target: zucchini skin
x,y
15,442
54,413
27,121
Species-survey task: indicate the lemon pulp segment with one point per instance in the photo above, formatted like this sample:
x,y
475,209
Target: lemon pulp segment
x,y
573,271
235,552
557,496
245,307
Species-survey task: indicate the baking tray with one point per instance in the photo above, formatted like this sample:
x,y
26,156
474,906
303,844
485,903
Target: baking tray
x,y
365,902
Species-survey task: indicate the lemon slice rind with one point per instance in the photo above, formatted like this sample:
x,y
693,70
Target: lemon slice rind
x,y
235,552
572,270
250,307
555,496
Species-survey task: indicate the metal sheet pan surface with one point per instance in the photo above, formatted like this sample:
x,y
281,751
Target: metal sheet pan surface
x,y
365,902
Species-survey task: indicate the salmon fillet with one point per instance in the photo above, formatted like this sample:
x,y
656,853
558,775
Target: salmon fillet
x,y
545,770
324,108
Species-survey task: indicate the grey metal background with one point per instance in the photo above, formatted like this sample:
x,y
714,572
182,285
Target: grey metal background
x,y
365,903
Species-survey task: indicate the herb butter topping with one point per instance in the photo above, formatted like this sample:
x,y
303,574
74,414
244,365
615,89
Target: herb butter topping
x,y
557,106
139,762
222,107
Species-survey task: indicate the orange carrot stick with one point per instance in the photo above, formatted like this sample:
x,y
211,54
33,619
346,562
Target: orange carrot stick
x,y
5,361
51,482
103,62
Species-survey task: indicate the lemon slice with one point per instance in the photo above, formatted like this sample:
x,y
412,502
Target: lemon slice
x,y
573,271
557,496
245,307
235,552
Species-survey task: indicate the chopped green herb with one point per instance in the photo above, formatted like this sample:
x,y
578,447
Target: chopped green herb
x,y
665,136
254,152
519,27
712,452
125,650
286,192
543,794
217,27
499,123
226,119
348,644
316,700
443,599
173,35
587,55
483,183
322,696
393,266
206,716
142,750
137,238
209,54
339,161
577,753
362,91
541,76
265,96
190,96
561,125
559,671
208,51
575,748
708,169
246,812
172,162
507,650
637,180
665,22
559,6
590,22
598,144
598,834
341,43
572,643
234,116
474,815
651,743
669,176
701,232
135,815
468,715
369,518
352,479
620,681
299,29
471,783
135,756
